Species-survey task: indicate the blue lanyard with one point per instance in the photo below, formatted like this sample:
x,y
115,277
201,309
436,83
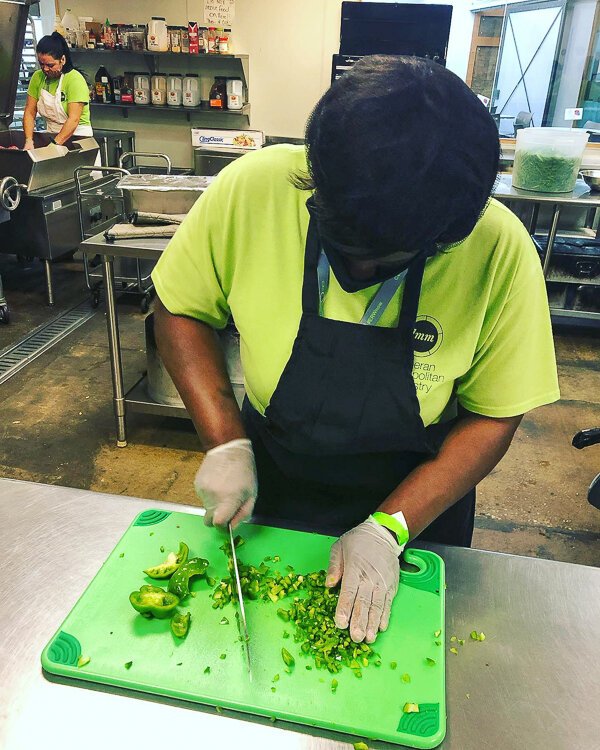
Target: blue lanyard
x,y
380,301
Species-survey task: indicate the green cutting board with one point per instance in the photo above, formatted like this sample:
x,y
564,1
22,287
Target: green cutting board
x,y
104,626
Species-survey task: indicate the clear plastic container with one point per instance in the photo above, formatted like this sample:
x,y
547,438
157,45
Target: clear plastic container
x,y
547,160
159,89
175,90
191,90
141,88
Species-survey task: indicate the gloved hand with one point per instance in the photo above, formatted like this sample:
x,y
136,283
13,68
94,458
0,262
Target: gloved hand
x,y
366,559
226,483
28,145
59,150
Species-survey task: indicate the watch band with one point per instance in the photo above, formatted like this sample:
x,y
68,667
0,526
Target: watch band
x,y
396,523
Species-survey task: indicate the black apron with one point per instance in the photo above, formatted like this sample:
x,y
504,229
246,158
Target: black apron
x,y
343,427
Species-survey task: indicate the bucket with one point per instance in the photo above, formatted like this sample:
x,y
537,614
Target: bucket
x,y
161,387
547,160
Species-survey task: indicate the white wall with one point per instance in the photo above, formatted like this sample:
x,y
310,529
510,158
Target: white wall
x,y
290,44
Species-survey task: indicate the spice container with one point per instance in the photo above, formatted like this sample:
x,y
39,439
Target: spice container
x,y
175,90
185,40
141,88
212,40
191,90
174,38
137,38
158,85
547,160
202,40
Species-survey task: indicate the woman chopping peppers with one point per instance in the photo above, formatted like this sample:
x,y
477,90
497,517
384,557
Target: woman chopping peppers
x,y
393,320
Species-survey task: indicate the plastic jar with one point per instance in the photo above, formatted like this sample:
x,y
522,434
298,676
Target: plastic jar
x,y
141,88
547,160
174,38
175,90
191,90
158,36
158,84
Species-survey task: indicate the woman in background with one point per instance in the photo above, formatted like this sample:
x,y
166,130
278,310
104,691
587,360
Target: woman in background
x,y
58,93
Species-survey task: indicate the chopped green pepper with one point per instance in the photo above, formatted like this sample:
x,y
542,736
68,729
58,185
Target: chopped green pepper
x,y
207,670
430,662
171,564
406,677
180,624
411,708
128,664
287,658
454,650
180,580
152,601
83,660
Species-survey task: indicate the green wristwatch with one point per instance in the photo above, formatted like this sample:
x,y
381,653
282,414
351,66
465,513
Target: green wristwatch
x,y
396,523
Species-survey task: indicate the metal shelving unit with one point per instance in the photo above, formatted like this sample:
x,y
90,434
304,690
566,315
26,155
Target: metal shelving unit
x,y
26,69
205,109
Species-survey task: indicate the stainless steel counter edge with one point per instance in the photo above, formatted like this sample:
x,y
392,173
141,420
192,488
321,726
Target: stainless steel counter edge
x,y
533,684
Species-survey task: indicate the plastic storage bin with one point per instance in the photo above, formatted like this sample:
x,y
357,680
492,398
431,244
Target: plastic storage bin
x,y
547,160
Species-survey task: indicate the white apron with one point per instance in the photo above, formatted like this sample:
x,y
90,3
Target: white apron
x,y
50,108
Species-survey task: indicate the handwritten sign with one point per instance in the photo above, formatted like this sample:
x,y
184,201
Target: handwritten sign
x,y
219,13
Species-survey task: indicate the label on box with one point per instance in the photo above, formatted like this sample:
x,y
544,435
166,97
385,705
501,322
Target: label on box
x,y
219,138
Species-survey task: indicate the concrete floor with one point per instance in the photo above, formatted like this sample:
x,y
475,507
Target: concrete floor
x,y
57,427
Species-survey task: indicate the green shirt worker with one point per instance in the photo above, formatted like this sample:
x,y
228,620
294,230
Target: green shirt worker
x,y
393,321
58,93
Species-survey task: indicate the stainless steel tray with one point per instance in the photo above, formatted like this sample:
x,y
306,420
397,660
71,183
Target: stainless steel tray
x,y
164,194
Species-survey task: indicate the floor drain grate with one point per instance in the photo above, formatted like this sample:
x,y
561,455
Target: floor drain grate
x,y
21,354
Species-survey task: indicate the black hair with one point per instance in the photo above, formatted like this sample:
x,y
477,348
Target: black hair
x,y
54,44
402,155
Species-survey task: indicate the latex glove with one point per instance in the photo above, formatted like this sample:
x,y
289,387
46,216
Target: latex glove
x,y
59,150
226,483
366,560
28,145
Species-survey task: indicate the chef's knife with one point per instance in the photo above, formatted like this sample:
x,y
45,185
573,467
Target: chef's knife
x,y
242,625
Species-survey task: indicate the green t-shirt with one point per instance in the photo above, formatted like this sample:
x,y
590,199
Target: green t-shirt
x,y
74,89
483,329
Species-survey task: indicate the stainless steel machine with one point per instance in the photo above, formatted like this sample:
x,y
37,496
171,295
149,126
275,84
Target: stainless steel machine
x,y
45,225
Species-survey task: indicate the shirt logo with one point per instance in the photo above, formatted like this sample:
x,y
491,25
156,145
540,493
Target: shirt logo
x,y
427,336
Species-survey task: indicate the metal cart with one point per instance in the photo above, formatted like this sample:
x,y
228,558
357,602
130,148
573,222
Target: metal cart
x,y
132,275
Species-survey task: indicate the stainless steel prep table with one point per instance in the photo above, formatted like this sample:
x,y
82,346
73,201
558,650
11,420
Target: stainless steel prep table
x,y
581,196
146,249
534,683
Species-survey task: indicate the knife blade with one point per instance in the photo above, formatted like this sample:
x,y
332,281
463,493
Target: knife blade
x,y
242,624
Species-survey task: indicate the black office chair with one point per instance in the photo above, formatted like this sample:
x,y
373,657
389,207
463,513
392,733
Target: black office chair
x,y
522,120
593,129
582,440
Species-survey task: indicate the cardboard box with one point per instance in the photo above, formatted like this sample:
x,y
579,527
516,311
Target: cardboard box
x,y
221,138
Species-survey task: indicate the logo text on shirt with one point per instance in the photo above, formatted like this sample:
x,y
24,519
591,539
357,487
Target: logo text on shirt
x,y
427,336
